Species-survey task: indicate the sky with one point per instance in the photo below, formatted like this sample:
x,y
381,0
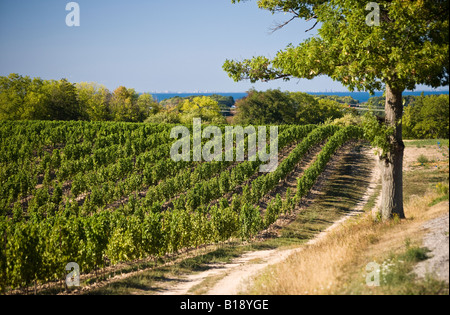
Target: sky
x,y
148,45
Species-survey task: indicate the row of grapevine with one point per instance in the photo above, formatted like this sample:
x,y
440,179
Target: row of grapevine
x,y
87,164
31,150
264,184
310,176
206,187
57,230
52,235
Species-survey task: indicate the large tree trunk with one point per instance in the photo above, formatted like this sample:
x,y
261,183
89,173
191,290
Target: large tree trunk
x,y
391,164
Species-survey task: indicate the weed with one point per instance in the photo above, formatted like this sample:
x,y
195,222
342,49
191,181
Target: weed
x,y
422,159
442,188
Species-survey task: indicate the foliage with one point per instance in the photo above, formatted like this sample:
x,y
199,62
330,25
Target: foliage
x,y
276,107
23,98
410,46
174,102
347,100
325,109
377,133
95,100
427,117
91,208
129,106
270,107
37,99
347,120
163,117
203,107
422,159
185,109
339,138
223,100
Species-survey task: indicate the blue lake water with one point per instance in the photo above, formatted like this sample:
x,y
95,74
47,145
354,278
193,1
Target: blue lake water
x,y
360,96
162,96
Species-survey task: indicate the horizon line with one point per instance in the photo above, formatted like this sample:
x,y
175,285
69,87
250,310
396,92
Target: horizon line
x,y
243,92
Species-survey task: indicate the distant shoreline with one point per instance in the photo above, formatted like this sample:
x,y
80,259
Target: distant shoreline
x,y
362,97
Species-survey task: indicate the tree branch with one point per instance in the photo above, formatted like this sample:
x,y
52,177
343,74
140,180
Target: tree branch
x,y
312,17
280,26
315,24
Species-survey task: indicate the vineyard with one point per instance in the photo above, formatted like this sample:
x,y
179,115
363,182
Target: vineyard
x,y
99,194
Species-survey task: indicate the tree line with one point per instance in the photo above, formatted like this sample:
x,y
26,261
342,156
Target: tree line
x,y
25,98
277,107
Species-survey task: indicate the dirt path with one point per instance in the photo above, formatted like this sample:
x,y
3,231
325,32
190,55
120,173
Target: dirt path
x,y
236,277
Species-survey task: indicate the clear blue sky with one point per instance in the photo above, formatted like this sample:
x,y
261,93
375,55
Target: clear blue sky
x,y
149,45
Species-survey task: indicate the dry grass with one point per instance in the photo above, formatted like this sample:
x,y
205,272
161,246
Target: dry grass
x,y
328,266
317,268
336,264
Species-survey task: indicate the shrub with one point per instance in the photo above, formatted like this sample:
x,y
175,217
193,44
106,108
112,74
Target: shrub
x,y
422,159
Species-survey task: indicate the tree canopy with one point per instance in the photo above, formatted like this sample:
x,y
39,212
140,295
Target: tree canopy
x,y
201,107
277,107
37,99
270,107
410,46
427,117
24,98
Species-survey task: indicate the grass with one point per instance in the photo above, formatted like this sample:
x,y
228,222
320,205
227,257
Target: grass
x,y
419,181
156,279
442,189
439,200
341,193
337,264
428,142
422,159
397,277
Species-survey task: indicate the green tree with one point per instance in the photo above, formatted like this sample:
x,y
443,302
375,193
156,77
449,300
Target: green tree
x,y
276,107
95,100
13,92
225,103
348,100
126,106
313,110
61,101
201,107
270,107
409,47
427,117
163,117
172,103
147,105
22,98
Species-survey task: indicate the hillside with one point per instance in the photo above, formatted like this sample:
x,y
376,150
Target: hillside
x,y
266,265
